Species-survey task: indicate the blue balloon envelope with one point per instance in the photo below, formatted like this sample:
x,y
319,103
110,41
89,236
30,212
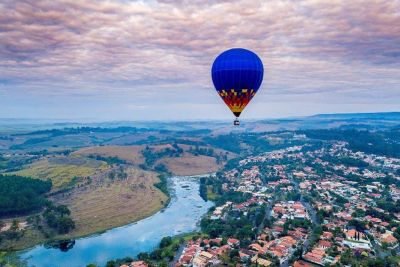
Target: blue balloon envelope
x,y
237,75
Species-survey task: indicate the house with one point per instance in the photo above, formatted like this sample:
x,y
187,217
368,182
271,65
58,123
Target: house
x,y
324,244
244,256
315,256
233,242
301,263
389,239
356,236
327,235
138,264
260,262
258,248
203,259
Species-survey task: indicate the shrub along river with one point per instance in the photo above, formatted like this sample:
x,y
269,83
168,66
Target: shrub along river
x,y
181,216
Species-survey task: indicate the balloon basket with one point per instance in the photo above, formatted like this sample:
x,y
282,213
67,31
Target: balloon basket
x,y
236,122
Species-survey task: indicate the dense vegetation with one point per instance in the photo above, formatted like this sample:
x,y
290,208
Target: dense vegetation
x,y
151,156
57,217
109,160
162,184
385,143
20,195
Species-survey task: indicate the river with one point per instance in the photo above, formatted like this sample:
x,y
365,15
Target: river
x,y
181,216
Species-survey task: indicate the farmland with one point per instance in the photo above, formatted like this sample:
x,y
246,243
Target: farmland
x,y
64,172
102,180
106,204
131,154
189,162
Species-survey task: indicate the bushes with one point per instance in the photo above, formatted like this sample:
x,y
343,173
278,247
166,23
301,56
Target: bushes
x,y
162,184
108,160
57,217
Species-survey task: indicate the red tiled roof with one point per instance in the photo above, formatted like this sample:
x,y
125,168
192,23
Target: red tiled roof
x,y
324,243
301,264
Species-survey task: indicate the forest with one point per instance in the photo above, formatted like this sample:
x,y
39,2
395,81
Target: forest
x,y
21,195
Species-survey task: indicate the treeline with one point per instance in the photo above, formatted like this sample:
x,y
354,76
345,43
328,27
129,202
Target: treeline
x,y
152,156
21,195
109,160
119,174
162,184
203,188
201,151
80,130
30,142
14,164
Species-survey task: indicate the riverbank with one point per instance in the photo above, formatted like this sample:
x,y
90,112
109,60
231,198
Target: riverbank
x,y
182,215
101,207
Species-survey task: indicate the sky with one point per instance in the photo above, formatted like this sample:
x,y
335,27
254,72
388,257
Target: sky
x,y
151,60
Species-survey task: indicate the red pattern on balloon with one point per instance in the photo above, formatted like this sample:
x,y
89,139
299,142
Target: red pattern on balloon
x,y
237,100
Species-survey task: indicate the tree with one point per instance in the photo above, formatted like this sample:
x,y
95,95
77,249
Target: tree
x,y
165,242
63,210
234,253
15,225
65,224
57,217
143,256
111,263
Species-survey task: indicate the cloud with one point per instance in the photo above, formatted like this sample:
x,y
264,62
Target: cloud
x,y
86,48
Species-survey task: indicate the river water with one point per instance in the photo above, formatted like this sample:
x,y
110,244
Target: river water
x,y
181,216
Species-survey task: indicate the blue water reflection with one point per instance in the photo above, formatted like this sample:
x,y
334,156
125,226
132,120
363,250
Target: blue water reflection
x,y
182,215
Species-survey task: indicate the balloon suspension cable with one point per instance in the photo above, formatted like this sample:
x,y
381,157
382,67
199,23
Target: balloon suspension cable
x,y
236,122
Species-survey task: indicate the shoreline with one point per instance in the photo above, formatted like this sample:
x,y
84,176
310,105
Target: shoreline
x,y
180,218
58,239
67,237
43,242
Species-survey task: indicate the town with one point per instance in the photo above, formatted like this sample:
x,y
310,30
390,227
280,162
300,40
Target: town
x,y
310,205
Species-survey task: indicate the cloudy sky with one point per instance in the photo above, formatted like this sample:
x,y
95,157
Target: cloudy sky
x,y
141,60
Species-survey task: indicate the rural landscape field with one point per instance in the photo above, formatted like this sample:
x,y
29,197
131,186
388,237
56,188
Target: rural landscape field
x,y
117,175
199,133
103,185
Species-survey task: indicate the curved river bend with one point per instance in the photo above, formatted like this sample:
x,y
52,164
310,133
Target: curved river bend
x,y
181,216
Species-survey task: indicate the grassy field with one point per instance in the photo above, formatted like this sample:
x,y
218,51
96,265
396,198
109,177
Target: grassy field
x,y
189,164
106,201
98,208
131,154
63,172
102,205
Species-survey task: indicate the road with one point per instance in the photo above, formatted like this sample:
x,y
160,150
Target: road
x,y
177,254
313,217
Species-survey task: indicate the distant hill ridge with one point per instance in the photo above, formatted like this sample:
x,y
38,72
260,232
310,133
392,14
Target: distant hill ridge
x,y
375,115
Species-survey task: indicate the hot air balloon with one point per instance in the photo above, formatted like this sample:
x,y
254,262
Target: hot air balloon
x,y
237,75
